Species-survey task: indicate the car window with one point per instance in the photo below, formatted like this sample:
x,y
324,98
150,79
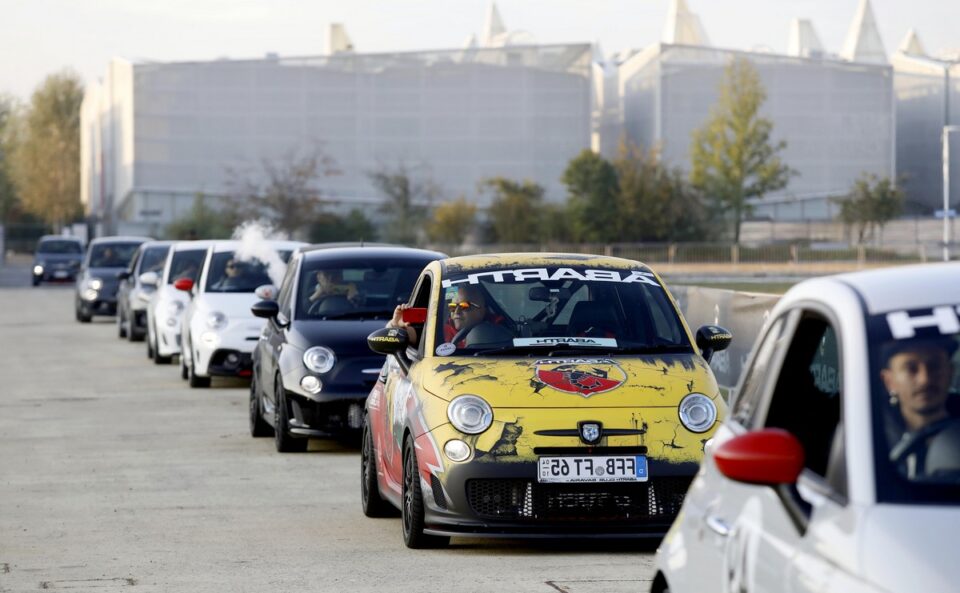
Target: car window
x,y
58,246
229,273
153,258
186,264
358,288
757,378
112,255
806,399
286,289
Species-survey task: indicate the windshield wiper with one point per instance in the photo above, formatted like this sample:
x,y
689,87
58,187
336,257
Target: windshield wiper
x,y
359,315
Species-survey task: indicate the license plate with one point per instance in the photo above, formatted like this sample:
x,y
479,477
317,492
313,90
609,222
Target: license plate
x,y
620,468
60,274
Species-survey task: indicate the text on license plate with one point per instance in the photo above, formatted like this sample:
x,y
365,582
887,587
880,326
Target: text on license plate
x,y
620,468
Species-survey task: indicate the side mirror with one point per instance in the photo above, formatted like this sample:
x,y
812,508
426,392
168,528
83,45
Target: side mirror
x,y
712,338
266,309
123,275
266,292
149,279
391,341
184,284
769,457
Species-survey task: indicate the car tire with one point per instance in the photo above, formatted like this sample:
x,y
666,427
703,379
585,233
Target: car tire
x,y
82,315
284,441
372,503
184,372
121,325
412,511
134,333
194,379
258,426
151,350
36,281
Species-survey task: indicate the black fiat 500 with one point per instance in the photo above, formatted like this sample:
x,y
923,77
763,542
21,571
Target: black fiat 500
x,y
312,369
98,280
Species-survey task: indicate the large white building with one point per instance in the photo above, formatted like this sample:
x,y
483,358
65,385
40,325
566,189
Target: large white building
x,y
156,134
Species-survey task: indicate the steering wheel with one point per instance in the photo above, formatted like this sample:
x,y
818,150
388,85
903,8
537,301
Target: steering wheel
x,y
911,443
460,335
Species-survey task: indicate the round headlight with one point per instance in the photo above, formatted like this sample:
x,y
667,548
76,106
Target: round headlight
x,y
319,359
697,412
470,414
311,384
216,320
37,270
174,308
94,284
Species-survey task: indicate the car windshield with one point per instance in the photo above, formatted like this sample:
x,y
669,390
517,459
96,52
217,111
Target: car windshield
x,y
153,258
58,246
916,404
186,264
230,273
112,255
568,307
356,289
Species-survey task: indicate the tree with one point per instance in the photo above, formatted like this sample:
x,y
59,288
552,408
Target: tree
x,y
407,202
591,201
872,203
515,210
452,221
8,123
655,203
355,226
203,222
287,193
46,157
733,157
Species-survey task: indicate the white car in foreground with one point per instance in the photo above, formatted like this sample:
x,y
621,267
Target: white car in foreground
x,y
219,331
838,467
166,306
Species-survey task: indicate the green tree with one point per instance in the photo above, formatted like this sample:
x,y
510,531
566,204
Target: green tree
x,y
203,222
8,123
515,211
355,226
46,156
733,157
591,198
286,192
408,198
452,221
655,203
872,203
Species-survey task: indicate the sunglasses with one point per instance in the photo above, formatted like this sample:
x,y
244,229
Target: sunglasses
x,y
462,306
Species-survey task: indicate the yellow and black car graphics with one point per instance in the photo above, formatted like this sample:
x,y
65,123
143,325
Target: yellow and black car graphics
x,y
546,394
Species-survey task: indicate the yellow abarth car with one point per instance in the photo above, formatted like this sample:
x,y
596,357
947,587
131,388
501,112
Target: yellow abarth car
x,y
538,395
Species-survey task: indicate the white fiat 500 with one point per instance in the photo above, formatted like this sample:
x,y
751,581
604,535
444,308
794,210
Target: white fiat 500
x,y
167,304
838,467
218,330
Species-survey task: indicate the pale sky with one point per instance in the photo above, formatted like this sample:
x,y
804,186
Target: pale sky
x,y
38,37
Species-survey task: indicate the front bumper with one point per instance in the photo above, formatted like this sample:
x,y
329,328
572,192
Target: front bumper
x,y
337,414
212,349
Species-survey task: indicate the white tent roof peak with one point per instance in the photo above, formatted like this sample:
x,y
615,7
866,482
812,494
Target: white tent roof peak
x,y
683,27
863,43
337,40
492,27
804,42
911,44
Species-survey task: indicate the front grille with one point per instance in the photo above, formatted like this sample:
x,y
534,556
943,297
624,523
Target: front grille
x,y
527,500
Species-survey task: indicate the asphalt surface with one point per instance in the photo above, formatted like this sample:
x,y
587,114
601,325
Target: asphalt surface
x,y
115,476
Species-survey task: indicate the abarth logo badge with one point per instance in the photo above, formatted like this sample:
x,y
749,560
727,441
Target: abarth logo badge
x,y
590,432
583,377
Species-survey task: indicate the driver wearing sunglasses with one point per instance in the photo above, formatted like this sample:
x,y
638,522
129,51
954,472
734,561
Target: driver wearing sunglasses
x,y
471,321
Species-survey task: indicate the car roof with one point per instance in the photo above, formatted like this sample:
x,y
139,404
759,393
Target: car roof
x,y
120,239
159,244
222,246
341,244
60,237
191,245
513,260
370,251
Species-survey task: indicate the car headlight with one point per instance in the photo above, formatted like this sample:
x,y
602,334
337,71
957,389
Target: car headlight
x,y
319,359
174,308
697,412
94,284
216,320
470,414
38,269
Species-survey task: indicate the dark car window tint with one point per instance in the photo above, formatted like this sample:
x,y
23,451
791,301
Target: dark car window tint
x,y
229,273
753,385
186,264
112,255
153,259
59,247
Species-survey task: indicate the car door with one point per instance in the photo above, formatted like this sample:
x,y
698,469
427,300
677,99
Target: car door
x,y
762,530
273,337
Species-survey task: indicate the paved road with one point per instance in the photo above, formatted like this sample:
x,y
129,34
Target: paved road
x,y
114,476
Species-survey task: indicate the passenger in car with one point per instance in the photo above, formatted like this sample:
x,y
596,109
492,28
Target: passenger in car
x,y
472,321
330,283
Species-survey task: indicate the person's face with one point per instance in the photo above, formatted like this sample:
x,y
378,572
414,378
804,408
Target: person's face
x,y
466,310
325,279
920,379
232,268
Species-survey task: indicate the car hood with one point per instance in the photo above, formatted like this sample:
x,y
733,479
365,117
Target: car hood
x,y
231,304
347,336
911,548
58,258
574,382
